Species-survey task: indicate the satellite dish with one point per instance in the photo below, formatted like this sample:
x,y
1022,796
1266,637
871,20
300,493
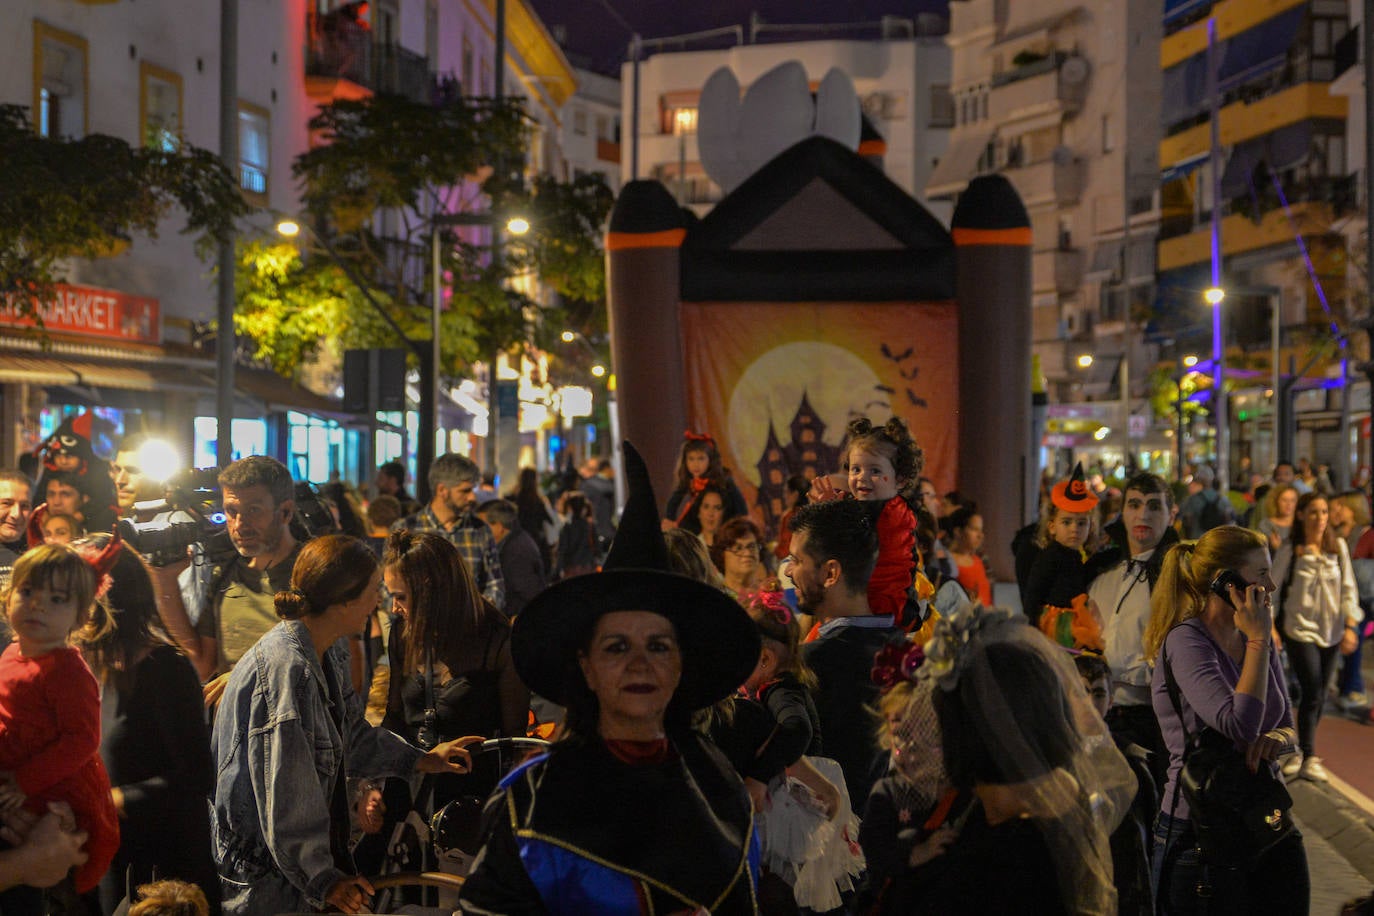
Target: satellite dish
x,y
1074,71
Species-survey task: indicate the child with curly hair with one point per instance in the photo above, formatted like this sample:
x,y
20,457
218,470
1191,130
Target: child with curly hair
x,y
882,465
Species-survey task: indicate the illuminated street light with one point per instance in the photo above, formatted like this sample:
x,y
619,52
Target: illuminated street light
x,y
1085,361
598,370
517,225
1190,361
288,228
1102,433
568,336
1214,295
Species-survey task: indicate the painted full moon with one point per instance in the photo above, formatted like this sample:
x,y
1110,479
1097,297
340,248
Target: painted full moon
x,y
833,379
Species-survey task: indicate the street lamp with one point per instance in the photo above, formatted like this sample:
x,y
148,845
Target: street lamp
x,y
517,225
1190,361
598,370
1085,361
288,227
1214,296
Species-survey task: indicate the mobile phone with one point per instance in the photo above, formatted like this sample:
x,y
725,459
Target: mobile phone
x,y
1228,577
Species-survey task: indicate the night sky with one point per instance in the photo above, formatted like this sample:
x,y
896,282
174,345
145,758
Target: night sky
x,y
595,38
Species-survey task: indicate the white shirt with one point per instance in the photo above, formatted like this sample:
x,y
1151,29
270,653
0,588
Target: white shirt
x,y
1122,597
1321,595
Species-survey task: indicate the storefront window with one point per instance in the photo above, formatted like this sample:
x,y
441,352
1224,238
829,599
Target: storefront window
x,y
249,438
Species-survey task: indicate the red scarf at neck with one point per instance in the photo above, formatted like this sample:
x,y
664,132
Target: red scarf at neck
x,y
640,753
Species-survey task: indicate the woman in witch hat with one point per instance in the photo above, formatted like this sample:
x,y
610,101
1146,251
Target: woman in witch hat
x,y
1055,595
632,811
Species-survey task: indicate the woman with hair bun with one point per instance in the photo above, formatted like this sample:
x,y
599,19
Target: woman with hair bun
x,y
289,730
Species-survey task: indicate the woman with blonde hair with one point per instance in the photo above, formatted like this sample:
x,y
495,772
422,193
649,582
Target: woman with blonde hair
x,y
1279,505
1215,668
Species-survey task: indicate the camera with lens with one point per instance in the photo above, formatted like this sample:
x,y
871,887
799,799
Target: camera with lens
x,y
192,512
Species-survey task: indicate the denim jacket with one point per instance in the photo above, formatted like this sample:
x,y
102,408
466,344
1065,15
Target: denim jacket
x,y
287,729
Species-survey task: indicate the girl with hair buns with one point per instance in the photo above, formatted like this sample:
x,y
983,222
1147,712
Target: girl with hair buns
x,y
289,730
882,465
1219,652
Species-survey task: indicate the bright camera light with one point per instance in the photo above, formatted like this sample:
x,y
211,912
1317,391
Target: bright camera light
x,y
158,460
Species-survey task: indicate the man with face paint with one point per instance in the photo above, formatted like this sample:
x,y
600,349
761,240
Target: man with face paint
x,y
258,507
1120,595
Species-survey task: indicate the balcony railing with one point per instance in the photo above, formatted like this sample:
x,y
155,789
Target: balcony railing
x,y
350,53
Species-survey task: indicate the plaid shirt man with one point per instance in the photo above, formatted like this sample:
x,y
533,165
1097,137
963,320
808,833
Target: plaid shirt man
x,y
474,541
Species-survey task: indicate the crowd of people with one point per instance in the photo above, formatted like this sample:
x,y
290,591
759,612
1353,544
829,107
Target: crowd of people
x,y
833,716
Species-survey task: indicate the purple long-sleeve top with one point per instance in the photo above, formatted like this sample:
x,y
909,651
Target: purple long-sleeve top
x,y
1207,678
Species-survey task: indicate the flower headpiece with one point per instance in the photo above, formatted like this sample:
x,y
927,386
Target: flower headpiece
x,y
946,655
769,603
896,662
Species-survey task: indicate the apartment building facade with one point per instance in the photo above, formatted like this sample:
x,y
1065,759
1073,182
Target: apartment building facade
x,y
901,78
1062,98
149,73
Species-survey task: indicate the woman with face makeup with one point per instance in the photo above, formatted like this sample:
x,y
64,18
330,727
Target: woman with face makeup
x,y
631,811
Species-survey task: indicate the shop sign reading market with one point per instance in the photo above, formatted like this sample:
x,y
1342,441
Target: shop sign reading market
x,y
91,312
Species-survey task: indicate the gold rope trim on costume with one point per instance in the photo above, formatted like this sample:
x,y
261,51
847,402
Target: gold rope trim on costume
x,y
592,857
743,865
652,882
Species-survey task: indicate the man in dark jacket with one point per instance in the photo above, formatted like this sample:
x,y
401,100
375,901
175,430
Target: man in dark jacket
x,y
522,562
833,550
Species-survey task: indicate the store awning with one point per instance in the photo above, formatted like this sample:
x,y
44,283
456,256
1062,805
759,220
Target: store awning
x,y
1101,375
964,158
47,371
1183,169
1183,91
1261,49
1278,150
278,393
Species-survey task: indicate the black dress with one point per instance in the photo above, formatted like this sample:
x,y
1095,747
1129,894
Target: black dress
x,y
156,747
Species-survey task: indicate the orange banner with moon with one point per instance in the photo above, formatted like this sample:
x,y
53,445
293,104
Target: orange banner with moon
x,y
777,383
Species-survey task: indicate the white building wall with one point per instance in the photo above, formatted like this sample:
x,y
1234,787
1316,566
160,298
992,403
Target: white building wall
x,y
593,115
902,70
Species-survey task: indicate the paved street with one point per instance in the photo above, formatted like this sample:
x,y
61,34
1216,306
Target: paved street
x,y
1337,820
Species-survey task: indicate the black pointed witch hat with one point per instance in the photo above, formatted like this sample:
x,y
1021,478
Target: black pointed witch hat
x,y
719,643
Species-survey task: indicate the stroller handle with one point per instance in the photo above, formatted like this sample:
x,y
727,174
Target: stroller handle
x,y
510,744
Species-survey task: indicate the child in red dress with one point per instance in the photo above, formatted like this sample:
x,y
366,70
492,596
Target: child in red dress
x,y
50,702
882,464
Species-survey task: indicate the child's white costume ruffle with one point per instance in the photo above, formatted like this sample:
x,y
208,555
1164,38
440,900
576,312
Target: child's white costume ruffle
x,y
818,857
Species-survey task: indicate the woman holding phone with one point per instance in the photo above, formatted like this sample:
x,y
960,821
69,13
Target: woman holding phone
x,y
1210,621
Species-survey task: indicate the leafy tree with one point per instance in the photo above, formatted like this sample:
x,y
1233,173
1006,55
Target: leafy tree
x,y
65,198
371,188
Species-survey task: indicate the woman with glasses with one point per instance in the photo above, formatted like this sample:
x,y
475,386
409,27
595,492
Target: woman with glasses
x,y
738,554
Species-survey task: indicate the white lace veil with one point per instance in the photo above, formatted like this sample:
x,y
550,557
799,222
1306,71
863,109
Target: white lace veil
x,y
1015,714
